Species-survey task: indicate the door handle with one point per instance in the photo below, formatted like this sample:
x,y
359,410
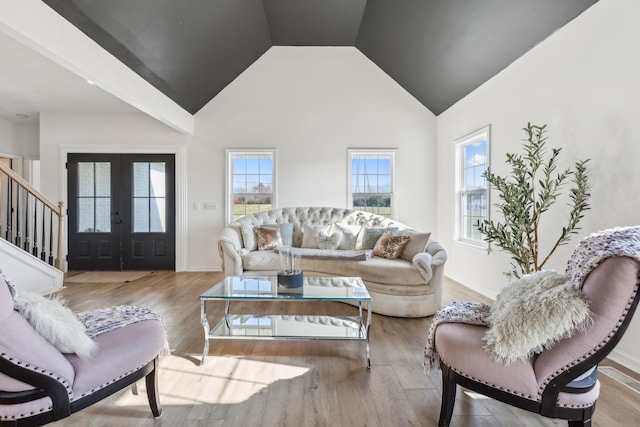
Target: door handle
x,y
117,221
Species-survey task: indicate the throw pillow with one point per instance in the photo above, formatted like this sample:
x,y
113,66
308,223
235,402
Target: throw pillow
x,y
329,241
417,243
268,238
286,231
381,245
370,236
390,245
249,237
350,235
310,233
56,323
533,313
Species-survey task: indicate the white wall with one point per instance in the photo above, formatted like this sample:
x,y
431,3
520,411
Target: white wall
x,y
583,82
19,139
310,104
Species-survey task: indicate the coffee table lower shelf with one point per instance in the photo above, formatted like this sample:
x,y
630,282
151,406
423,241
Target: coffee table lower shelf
x,y
283,326
293,327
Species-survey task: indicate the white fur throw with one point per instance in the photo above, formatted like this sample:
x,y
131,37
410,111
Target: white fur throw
x,y
55,322
531,314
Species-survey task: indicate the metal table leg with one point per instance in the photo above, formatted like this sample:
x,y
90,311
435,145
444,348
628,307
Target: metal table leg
x,y
205,324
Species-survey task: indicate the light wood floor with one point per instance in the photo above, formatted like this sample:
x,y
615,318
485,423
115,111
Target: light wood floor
x,y
298,383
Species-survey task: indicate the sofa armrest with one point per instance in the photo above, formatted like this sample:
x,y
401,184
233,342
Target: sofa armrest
x,y
229,247
438,259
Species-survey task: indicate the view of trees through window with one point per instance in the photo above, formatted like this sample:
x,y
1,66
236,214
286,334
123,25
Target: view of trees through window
x,y
371,182
252,183
473,195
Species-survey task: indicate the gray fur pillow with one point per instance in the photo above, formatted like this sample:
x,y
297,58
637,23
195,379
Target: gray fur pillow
x,y
533,313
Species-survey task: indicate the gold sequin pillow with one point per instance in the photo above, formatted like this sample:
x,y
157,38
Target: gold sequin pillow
x,y
268,238
390,245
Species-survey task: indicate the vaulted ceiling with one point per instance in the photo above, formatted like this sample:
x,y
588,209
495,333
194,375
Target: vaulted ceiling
x,y
438,50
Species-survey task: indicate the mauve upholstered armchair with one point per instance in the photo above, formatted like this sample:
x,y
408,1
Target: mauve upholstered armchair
x,y
39,384
561,382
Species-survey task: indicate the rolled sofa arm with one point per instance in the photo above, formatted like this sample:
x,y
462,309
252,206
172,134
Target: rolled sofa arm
x,y
229,247
438,259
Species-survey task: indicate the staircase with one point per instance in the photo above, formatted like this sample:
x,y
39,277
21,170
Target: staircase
x,y
31,229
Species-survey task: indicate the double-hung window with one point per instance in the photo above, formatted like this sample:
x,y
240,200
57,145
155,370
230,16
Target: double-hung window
x,y
472,192
250,182
371,176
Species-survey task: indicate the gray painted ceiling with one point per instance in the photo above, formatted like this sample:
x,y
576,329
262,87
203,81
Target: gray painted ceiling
x,y
438,50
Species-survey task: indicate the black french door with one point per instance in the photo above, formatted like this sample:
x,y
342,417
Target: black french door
x,y
121,212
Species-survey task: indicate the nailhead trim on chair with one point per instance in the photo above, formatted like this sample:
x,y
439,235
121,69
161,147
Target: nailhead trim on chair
x,y
591,352
23,364
495,386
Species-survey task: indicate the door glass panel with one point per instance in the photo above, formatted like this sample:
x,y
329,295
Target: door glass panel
x,y
141,215
85,179
158,180
94,197
149,197
103,179
86,211
103,214
140,179
157,217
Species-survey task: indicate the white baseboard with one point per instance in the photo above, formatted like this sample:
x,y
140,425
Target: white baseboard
x,y
204,268
625,360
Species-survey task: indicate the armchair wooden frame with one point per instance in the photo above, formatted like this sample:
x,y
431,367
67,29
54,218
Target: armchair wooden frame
x,y
548,406
47,386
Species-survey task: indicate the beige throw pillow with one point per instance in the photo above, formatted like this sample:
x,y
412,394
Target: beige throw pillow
x,y
417,243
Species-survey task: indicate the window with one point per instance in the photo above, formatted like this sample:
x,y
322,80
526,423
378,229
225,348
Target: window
x,y
472,160
149,197
94,197
371,175
250,182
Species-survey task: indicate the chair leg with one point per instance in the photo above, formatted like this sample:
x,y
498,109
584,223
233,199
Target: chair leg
x,y
579,423
448,397
152,390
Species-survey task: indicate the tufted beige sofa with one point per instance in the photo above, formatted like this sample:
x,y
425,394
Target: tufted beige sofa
x,y
397,287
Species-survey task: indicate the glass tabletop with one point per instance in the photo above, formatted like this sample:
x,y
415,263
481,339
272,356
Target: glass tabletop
x,y
266,287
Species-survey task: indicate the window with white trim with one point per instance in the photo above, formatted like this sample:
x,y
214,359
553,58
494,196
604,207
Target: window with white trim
x,y
371,177
472,191
250,182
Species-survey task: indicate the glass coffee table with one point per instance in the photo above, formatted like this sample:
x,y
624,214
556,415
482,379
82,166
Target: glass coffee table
x,y
280,326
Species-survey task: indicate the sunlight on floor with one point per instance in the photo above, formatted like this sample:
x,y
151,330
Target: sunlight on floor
x,y
222,380
475,395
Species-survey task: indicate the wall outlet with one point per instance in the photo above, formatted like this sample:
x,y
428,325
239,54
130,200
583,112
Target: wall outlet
x,y
210,206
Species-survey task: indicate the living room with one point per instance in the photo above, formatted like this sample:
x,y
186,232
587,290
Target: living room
x,y
312,104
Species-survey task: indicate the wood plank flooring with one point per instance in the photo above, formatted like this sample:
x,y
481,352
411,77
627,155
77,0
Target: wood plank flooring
x,y
298,383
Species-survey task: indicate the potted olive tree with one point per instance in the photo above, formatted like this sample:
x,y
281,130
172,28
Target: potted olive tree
x,y
533,186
